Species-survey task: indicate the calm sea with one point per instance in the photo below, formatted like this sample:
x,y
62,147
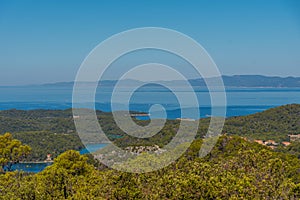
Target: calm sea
x,y
240,101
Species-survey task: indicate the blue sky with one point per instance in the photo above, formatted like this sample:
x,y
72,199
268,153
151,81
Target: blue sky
x,y
46,41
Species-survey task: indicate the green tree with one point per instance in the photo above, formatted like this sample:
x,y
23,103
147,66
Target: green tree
x,y
12,151
67,172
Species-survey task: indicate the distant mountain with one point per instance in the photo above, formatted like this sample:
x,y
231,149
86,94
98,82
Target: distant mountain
x,y
253,81
229,81
260,81
105,83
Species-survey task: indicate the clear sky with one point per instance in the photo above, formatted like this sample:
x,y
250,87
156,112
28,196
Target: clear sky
x,y
46,41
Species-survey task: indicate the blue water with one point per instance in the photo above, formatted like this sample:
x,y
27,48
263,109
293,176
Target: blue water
x,y
30,167
240,101
90,148
38,167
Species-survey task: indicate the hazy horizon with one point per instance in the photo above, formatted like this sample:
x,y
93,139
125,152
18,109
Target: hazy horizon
x,y
132,79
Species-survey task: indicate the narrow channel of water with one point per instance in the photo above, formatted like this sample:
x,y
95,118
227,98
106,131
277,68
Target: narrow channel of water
x,y
38,167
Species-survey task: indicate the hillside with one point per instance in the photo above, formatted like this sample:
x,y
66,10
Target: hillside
x,y
235,169
273,124
53,131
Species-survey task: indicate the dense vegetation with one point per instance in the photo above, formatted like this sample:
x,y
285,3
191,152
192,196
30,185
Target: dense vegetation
x,y
53,131
12,151
294,149
235,169
276,123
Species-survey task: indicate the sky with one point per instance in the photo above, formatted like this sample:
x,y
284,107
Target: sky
x,y
46,41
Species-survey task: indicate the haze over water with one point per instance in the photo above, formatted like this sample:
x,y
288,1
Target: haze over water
x,y
240,101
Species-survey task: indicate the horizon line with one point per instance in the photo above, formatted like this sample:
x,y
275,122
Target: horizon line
x,y
68,82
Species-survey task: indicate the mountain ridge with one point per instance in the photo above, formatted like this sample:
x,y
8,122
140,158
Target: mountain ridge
x,y
254,81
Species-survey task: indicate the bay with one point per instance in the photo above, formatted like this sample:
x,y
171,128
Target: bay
x,y
240,101
38,167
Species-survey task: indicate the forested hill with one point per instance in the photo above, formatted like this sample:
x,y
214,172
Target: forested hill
x,y
235,169
276,123
53,131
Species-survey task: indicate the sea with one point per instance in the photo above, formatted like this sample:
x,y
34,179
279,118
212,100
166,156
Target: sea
x,y
239,102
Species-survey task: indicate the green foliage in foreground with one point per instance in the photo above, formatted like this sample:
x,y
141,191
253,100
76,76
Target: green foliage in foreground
x,y
43,143
293,148
12,151
235,169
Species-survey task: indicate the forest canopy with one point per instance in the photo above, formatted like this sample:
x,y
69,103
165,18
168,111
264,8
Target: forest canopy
x,y
236,168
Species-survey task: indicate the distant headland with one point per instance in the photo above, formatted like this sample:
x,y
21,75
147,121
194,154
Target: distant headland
x,y
253,81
